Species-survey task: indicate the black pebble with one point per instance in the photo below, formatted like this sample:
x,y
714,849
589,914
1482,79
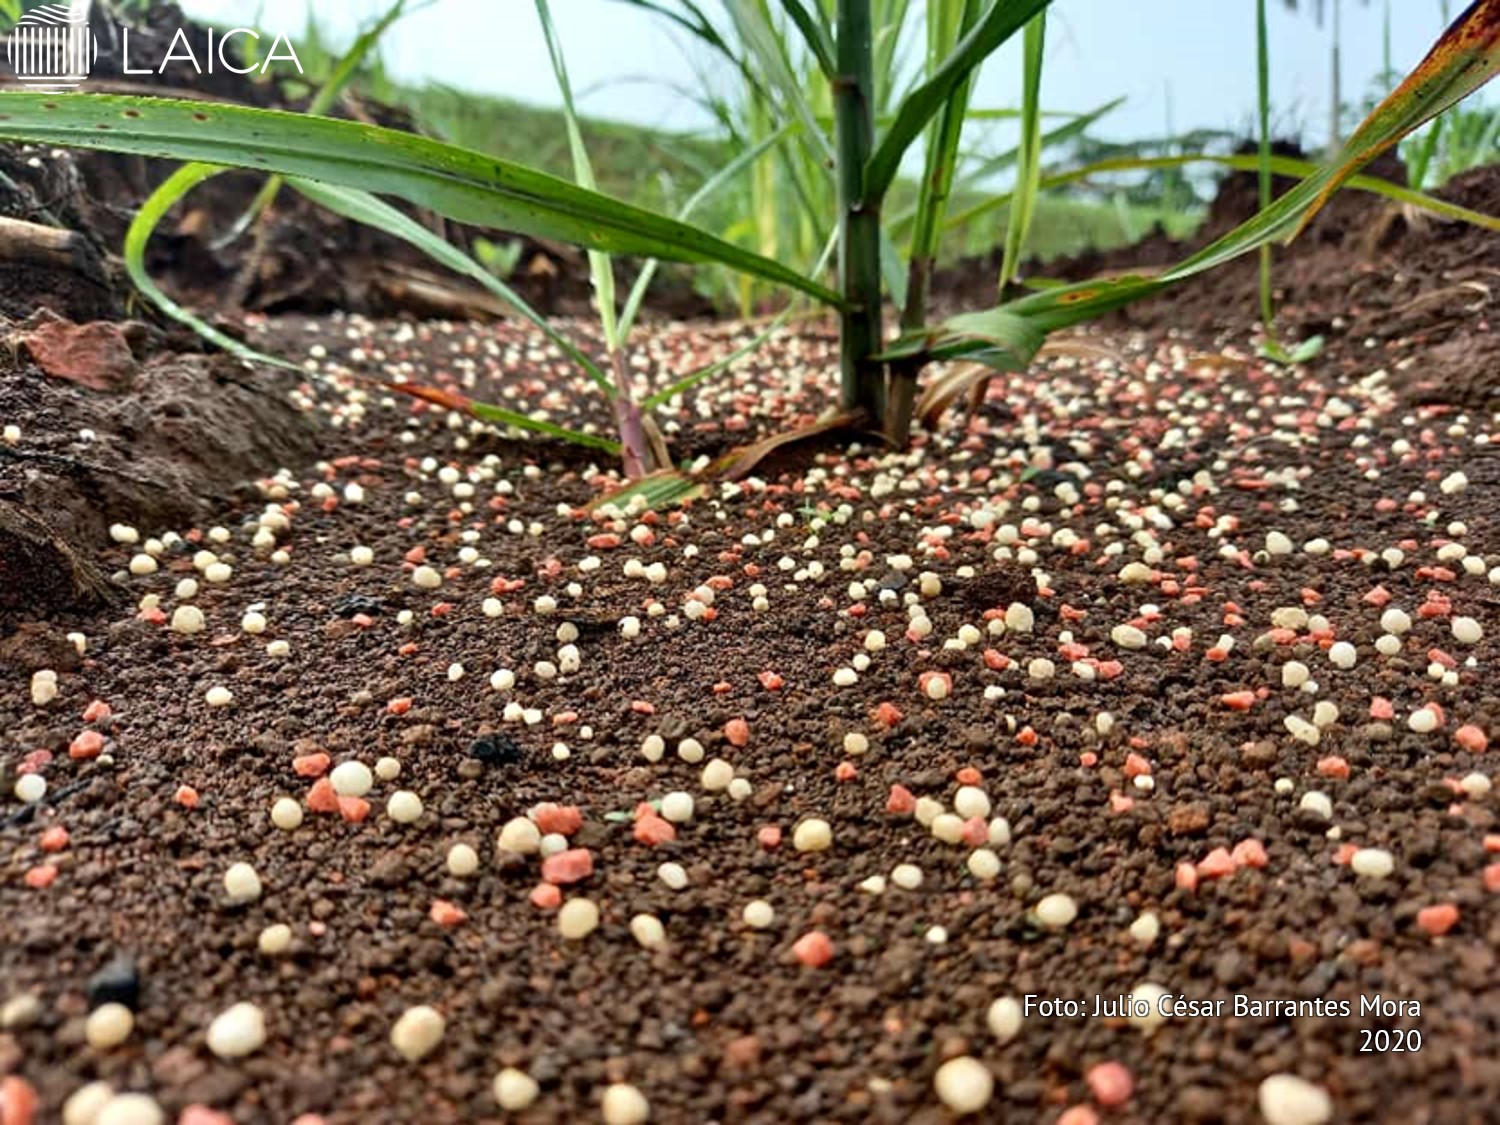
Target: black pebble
x,y
349,604
116,983
496,749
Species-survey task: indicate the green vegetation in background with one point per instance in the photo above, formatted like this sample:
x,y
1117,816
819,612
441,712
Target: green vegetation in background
x,y
1464,138
654,168
774,208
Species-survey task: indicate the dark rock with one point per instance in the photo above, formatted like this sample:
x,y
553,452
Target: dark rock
x,y
497,749
350,604
118,982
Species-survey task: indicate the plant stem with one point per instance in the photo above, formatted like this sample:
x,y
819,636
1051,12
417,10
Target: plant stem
x,y
862,380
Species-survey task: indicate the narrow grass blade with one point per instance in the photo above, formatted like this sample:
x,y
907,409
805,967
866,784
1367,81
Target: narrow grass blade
x,y
1000,20
946,22
815,32
362,207
1029,160
459,183
665,488
146,220
688,382
762,43
695,22
977,173
601,267
499,415
1073,304
715,183
691,380
1280,165
1463,59
1263,169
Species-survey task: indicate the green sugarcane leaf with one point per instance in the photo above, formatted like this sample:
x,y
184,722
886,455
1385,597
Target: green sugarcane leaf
x,y
665,488
146,220
372,211
1465,57
768,50
342,75
456,182
999,21
1280,165
601,267
815,32
499,415
715,183
361,207
1029,166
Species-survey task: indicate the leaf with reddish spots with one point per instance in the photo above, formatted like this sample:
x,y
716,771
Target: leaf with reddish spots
x,y
1463,59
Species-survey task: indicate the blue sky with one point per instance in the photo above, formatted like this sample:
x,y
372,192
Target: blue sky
x,y
1197,55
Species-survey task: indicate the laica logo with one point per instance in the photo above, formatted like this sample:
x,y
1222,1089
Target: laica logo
x,y
51,48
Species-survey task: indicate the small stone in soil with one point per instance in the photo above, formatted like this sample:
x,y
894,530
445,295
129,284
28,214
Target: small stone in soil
x,y
118,982
351,605
497,749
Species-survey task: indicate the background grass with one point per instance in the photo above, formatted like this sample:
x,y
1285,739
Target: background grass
x,y
660,169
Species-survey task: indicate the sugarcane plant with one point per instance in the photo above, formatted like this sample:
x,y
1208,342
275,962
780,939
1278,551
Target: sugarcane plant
x,y
348,166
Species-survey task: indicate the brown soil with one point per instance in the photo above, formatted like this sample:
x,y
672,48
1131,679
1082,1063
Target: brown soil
x,y
725,1024
169,447
1175,460
1367,276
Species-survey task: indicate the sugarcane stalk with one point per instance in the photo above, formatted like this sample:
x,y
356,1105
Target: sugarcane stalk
x,y
861,379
